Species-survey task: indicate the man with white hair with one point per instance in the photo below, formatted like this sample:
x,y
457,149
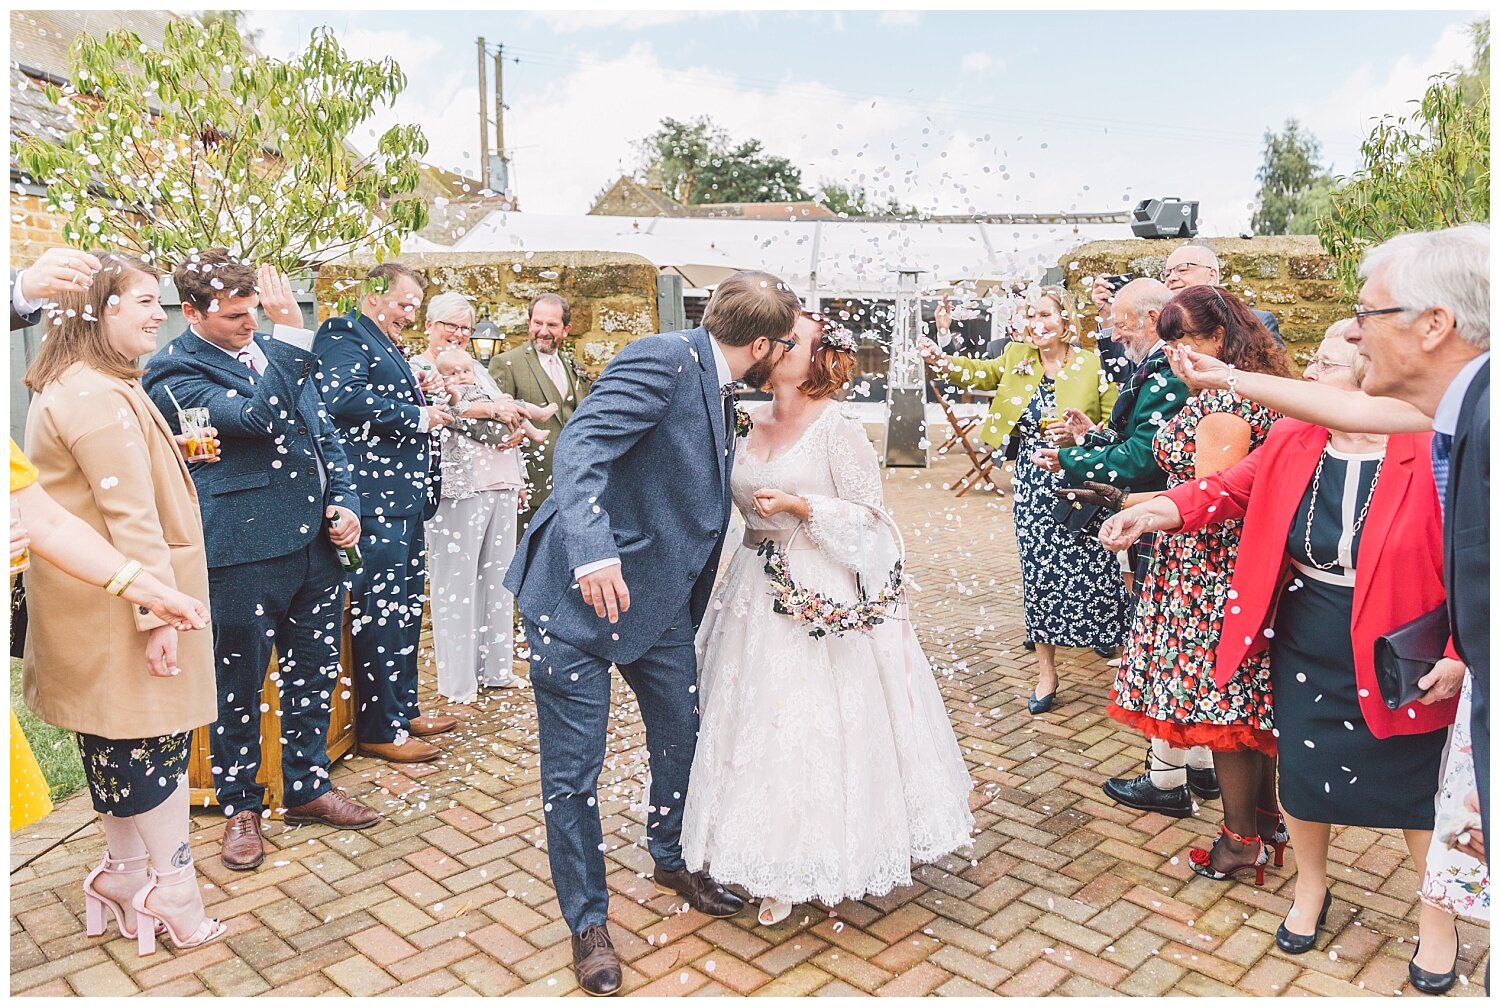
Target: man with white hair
x,y
1424,327
1195,265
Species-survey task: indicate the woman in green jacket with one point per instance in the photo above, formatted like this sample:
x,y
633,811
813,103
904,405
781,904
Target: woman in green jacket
x,y
1073,591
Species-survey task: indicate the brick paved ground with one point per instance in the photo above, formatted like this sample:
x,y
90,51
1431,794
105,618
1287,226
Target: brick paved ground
x,y
1063,893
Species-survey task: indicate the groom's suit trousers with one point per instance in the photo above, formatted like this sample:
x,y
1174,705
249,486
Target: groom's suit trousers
x,y
572,702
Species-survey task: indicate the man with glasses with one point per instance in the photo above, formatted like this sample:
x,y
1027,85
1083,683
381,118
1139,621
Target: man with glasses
x,y
1193,265
541,371
1423,325
616,571
385,421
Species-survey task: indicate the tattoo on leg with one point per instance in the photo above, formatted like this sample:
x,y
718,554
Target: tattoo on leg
x,y
182,857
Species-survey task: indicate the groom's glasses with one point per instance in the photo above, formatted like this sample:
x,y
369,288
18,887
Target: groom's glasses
x,y
790,344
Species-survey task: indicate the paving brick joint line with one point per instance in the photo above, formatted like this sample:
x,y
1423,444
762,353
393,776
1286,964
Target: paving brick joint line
x,y
1063,893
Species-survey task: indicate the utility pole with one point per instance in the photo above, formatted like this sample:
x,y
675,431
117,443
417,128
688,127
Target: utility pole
x,y
484,120
500,172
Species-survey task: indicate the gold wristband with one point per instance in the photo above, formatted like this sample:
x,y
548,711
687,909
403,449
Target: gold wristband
x,y
123,577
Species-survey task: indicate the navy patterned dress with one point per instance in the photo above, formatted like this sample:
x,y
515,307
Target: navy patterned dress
x,y
1073,591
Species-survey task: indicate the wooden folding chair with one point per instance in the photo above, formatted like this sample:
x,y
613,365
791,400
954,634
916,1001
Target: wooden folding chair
x,y
980,461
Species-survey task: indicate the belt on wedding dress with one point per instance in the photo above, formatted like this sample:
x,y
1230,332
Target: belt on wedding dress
x,y
755,536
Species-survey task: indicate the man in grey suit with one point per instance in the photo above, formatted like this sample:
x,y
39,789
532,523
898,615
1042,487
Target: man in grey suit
x,y
542,373
617,568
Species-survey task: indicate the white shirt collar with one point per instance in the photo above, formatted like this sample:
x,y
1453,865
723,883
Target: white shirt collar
x,y
1445,420
720,363
256,353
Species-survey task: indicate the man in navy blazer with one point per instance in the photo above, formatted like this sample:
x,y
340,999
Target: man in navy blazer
x,y
386,427
617,568
280,479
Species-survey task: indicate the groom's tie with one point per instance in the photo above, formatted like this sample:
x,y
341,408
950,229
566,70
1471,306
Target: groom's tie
x,y
727,394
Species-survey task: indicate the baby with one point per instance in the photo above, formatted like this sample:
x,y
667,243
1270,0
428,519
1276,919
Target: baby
x,y
456,367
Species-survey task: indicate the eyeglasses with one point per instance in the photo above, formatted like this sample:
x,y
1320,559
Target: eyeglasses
x,y
1361,312
1183,267
790,344
457,330
1320,364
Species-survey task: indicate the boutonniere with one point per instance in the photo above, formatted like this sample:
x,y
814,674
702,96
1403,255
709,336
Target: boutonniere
x,y
742,423
572,365
1024,368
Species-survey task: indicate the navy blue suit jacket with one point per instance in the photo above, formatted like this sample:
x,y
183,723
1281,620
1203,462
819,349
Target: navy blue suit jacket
x,y
263,498
640,474
373,398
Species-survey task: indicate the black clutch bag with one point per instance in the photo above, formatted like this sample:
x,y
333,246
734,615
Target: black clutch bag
x,y
1405,655
1082,519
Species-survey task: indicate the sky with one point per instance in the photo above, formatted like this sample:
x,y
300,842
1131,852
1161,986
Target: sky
x,y
951,112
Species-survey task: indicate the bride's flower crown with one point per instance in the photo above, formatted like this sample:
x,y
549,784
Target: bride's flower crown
x,y
835,336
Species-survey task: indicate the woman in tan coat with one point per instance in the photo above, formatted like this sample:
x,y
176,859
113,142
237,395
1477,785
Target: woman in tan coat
x,y
130,686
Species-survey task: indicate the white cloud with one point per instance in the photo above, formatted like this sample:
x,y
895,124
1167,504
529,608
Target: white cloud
x,y
977,62
1343,117
898,18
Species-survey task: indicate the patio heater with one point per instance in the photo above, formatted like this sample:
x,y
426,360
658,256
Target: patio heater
x,y
906,394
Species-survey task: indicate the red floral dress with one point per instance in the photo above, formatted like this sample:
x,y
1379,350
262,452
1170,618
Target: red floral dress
x,y
1165,684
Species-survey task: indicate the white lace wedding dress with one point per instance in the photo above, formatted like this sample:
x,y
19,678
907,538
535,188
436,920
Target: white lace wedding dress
x,y
825,767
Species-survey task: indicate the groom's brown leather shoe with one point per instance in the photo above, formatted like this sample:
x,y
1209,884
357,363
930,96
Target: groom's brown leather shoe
x,y
702,892
595,962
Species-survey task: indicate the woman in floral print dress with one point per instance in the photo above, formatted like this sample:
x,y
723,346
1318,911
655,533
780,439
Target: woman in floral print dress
x,y
1165,684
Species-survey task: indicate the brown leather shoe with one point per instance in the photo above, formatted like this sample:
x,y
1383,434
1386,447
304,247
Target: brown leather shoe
x,y
333,808
595,962
702,892
410,750
243,848
421,727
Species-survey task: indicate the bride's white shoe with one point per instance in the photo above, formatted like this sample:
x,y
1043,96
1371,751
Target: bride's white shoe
x,y
773,911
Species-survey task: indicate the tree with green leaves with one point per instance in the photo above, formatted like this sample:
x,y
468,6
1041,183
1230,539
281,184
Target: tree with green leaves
x,y
201,144
856,201
697,162
1474,79
1422,171
1295,188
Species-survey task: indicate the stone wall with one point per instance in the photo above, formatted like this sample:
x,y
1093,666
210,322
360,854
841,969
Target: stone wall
x,y
613,296
1289,276
33,229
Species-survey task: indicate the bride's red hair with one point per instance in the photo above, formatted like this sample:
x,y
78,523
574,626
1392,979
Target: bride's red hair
x,y
830,369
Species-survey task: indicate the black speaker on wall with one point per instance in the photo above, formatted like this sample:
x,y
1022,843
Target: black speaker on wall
x,y
1168,217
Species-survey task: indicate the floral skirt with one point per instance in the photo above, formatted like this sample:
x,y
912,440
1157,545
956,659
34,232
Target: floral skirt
x,y
131,776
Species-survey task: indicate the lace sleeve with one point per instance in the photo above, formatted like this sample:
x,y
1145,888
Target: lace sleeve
x,y
844,526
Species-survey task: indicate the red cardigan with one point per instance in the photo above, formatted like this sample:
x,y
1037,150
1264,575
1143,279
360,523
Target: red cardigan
x,y
1399,574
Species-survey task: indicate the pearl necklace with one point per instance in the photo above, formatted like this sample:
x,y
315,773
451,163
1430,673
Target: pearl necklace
x,y
1312,504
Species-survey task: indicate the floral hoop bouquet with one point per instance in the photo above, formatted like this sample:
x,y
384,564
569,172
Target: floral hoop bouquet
x,y
821,613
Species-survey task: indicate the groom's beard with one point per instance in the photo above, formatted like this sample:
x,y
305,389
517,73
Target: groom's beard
x,y
758,374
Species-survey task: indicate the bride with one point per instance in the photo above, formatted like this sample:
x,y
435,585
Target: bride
x,y
826,764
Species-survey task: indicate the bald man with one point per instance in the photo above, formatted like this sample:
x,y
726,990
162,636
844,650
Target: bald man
x,y
1193,265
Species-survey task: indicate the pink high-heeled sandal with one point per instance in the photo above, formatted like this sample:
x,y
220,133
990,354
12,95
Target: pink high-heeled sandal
x,y
96,902
207,931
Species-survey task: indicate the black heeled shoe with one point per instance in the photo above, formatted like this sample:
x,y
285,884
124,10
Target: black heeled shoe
x,y
1301,944
1435,983
1042,705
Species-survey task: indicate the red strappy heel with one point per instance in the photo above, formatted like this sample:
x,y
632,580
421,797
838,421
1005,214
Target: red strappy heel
x,y
1280,839
1201,861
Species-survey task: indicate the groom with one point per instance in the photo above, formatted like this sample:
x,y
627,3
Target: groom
x,y
616,569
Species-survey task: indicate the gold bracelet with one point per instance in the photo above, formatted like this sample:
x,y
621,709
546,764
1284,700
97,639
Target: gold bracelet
x,y
123,577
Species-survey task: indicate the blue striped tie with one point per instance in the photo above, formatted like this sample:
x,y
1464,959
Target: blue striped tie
x,y
1442,444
